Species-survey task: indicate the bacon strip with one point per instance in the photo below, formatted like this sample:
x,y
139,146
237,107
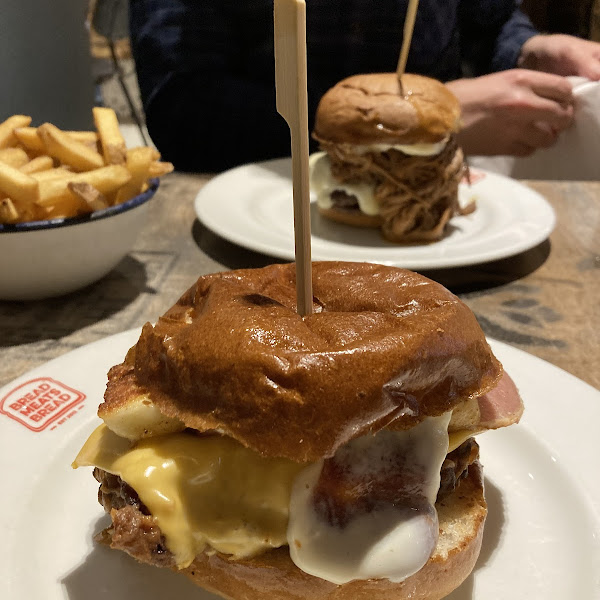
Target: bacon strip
x,y
502,406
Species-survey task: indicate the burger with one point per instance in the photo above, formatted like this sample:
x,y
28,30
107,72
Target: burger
x,y
389,156
268,455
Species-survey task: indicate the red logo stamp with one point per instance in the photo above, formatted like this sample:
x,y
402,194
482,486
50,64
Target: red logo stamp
x,y
40,402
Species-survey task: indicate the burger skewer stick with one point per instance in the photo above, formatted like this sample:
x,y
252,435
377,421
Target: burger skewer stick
x,y
409,25
292,105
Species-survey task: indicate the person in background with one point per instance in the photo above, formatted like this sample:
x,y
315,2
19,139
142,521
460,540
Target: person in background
x,y
206,71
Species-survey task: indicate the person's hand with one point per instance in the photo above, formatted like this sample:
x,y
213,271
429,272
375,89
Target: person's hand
x,y
512,112
562,55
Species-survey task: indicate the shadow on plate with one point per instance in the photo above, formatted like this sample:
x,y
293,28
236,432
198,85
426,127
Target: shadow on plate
x,y
491,537
107,573
227,253
459,280
56,317
478,277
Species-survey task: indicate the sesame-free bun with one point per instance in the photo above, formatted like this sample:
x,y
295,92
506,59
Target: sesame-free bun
x,y
273,575
384,347
374,109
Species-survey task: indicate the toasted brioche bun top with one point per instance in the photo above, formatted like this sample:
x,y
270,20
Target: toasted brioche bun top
x,y
384,347
374,109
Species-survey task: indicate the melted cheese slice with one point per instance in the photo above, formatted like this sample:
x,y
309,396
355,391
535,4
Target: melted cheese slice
x,y
390,540
202,490
411,149
456,438
323,184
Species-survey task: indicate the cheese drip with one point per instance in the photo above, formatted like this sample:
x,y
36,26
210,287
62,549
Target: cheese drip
x,y
322,184
204,491
371,530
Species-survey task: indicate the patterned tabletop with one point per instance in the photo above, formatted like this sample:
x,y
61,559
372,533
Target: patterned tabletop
x,y
544,301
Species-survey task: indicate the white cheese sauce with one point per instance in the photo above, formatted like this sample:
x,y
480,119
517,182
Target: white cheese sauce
x,y
411,149
369,512
323,184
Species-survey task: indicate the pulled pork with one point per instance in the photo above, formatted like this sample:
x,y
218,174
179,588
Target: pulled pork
x,y
417,195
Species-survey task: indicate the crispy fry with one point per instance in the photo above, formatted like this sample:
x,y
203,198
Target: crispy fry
x,y
15,157
37,165
29,139
59,172
61,146
105,180
46,172
113,144
158,169
7,135
89,194
85,137
67,206
138,164
8,211
18,186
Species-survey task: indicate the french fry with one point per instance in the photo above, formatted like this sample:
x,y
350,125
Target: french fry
x,y
18,186
111,140
15,157
46,172
105,180
158,169
138,164
85,137
57,173
7,129
66,206
37,165
29,139
61,146
89,194
8,211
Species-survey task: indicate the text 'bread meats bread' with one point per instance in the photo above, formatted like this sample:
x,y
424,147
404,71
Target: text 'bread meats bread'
x,y
268,455
390,157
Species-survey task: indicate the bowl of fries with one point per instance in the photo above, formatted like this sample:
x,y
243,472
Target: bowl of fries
x,y
71,204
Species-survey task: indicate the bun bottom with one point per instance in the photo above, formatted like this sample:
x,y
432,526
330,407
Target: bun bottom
x,y
355,218
273,575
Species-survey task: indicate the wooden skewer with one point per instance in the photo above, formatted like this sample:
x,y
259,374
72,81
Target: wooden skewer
x,y
292,105
409,25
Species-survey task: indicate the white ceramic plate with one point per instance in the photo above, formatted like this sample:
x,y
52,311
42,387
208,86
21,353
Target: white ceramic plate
x,y
542,538
251,206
